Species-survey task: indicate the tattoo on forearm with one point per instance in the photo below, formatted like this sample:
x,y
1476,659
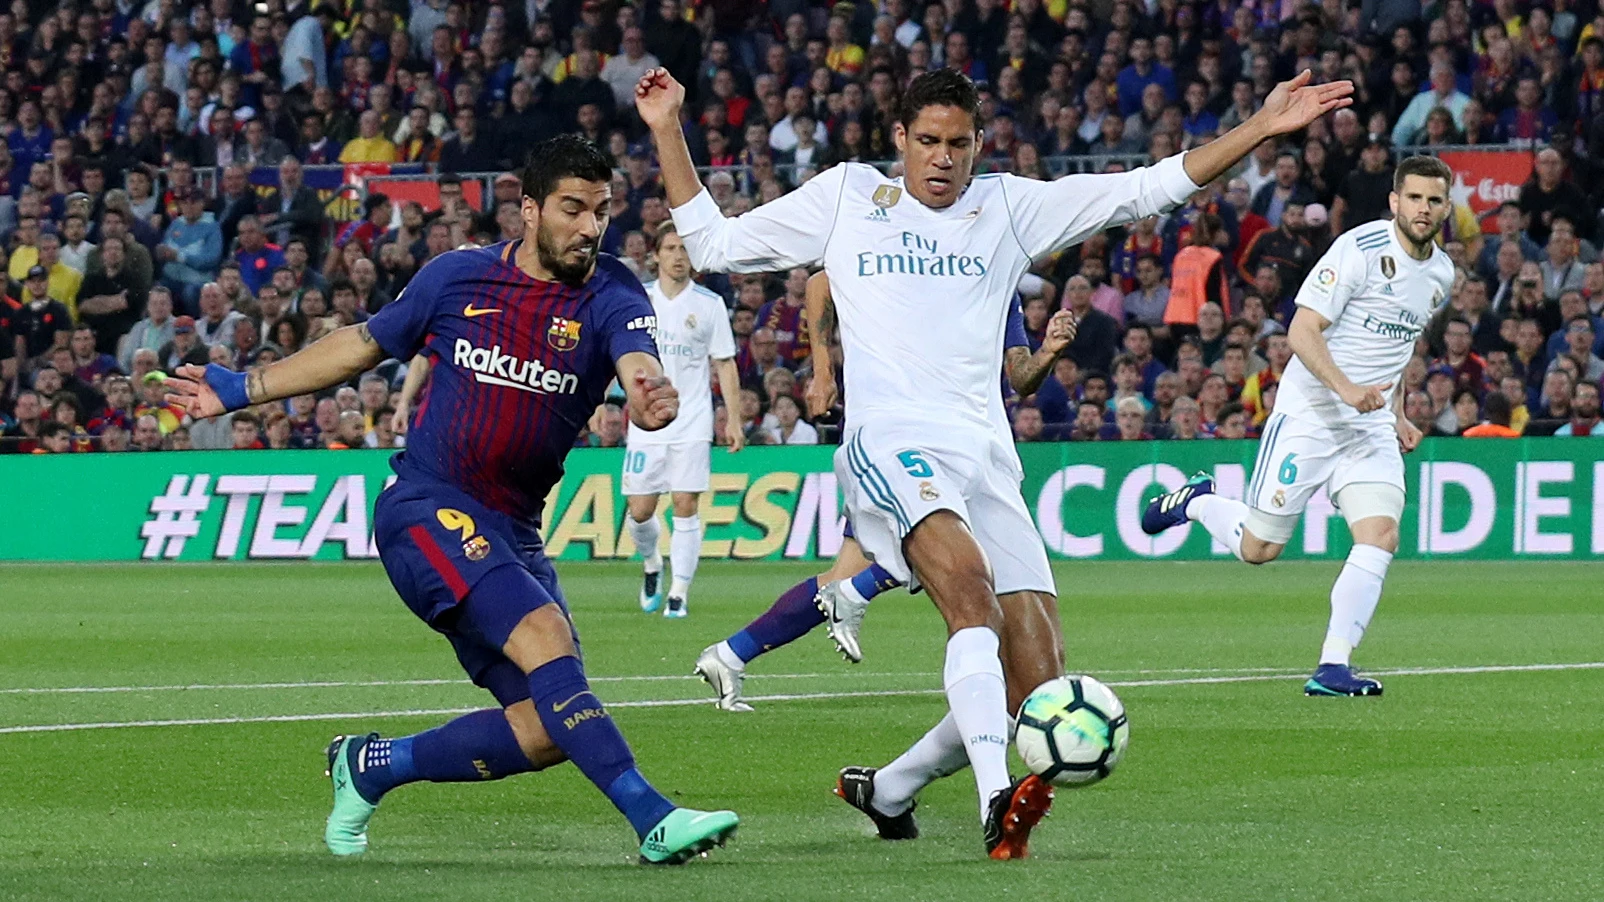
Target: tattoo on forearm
x,y
256,385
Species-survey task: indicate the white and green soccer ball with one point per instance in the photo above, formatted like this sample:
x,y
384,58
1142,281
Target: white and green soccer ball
x,y
1072,731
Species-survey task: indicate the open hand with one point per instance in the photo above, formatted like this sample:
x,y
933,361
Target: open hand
x,y
190,391
1296,103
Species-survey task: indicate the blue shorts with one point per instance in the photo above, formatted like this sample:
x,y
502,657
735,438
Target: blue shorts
x,y
469,572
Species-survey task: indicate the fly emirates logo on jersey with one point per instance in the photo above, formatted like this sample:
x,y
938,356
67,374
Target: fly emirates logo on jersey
x,y
920,256
491,367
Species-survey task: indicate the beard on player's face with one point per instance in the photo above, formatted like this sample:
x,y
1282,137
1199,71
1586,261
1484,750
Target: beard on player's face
x,y
571,260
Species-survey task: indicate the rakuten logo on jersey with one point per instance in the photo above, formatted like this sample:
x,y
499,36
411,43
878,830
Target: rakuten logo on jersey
x,y
492,367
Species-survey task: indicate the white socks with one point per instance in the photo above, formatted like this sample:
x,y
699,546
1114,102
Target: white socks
x,y
978,699
1222,517
728,656
646,535
1353,601
684,548
938,753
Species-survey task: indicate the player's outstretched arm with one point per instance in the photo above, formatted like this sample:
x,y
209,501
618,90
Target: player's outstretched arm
x,y
781,234
1027,371
335,359
1291,106
1307,337
653,401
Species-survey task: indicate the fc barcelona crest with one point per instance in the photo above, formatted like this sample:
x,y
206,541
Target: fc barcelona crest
x,y
563,334
886,196
1389,267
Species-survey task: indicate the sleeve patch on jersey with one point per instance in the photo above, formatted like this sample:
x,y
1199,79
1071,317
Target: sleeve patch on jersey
x,y
1326,277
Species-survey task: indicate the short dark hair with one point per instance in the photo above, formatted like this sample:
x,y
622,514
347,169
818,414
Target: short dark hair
x,y
562,157
1497,408
1422,165
940,87
1456,318
375,200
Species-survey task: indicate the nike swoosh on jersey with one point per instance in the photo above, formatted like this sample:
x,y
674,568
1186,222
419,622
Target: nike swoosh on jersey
x,y
470,311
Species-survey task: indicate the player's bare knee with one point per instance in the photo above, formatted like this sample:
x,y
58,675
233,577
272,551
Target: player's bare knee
x,y
685,504
642,507
1257,551
532,736
542,636
1378,531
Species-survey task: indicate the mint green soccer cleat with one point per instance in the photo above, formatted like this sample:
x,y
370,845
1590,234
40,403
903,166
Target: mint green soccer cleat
x,y
685,833
346,832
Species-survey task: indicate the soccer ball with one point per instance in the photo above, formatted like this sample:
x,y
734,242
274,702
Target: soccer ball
x,y
1072,731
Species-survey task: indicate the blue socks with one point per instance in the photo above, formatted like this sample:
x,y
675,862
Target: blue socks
x,y
581,727
790,618
477,746
873,580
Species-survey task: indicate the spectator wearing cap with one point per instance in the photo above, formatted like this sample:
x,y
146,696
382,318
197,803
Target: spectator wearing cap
x,y
154,402
41,323
153,331
467,150
369,146
1443,93
190,249
257,257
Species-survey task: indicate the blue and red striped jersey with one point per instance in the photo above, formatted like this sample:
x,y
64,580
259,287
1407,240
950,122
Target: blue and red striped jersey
x,y
518,366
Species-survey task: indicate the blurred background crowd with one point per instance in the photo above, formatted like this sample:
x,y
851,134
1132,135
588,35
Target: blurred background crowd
x,y
158,205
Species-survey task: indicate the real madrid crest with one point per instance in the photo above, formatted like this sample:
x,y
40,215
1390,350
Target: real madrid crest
x,y
1389,267
1280,499
886,196
928,492
563,334
690,321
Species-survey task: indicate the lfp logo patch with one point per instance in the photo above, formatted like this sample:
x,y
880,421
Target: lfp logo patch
x,y
563,334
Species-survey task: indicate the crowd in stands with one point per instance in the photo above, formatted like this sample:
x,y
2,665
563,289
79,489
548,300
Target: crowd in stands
x,y
134,239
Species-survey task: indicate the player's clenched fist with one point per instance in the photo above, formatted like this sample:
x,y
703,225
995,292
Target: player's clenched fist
x,y
1365,398
658,98
820,395
659,401
1060,331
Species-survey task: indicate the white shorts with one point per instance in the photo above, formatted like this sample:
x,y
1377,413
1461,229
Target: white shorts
x,y
1297,457
652,469
893,476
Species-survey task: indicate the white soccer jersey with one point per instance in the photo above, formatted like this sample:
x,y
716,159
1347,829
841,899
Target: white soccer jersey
x,y
1378,299
693,328
922,294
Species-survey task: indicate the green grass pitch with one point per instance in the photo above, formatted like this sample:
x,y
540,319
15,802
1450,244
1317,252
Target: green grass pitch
x,y
1473,780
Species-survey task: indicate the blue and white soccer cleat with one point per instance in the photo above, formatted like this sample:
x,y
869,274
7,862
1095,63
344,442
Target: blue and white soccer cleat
x,y
676,608
1168,511
1339,679
651,592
